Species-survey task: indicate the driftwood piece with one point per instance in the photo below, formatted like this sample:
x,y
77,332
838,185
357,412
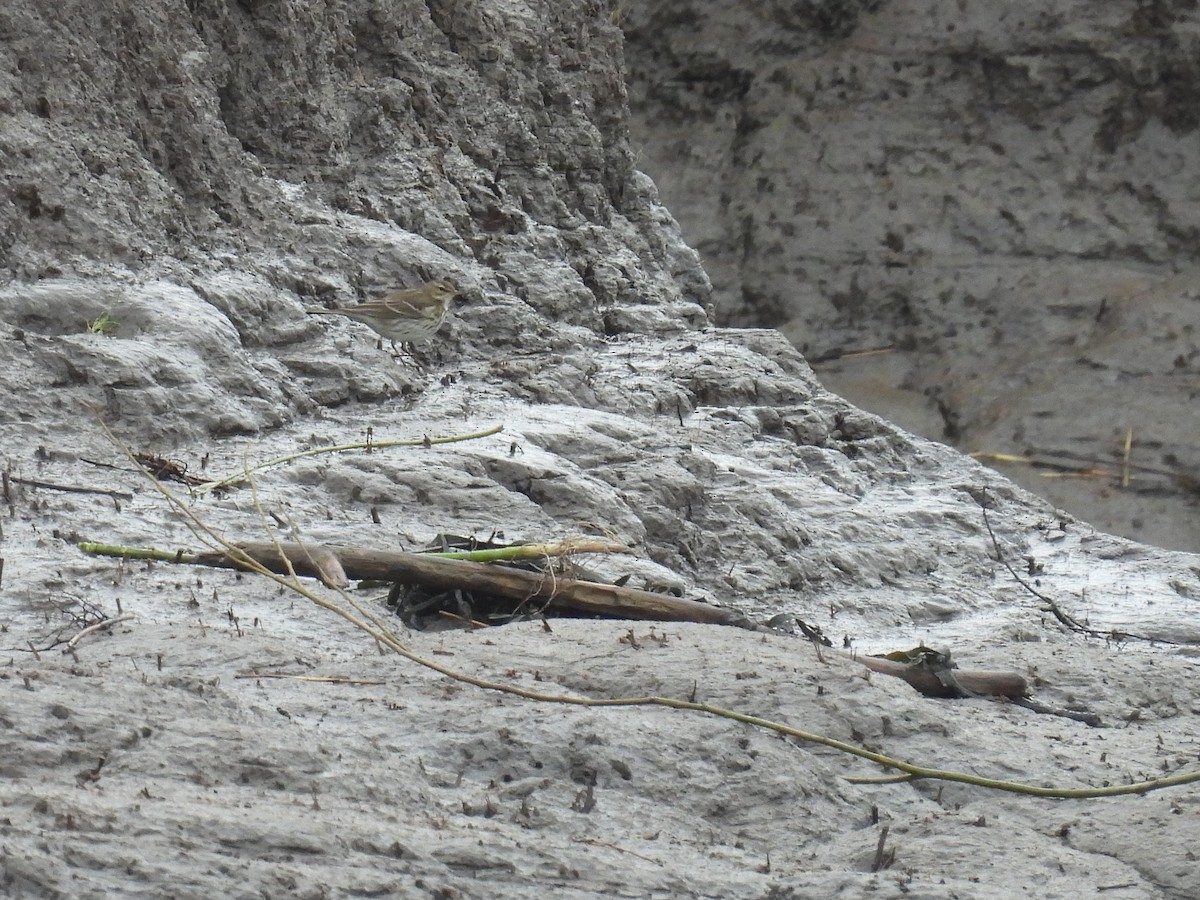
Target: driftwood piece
x,y
457,574
960,683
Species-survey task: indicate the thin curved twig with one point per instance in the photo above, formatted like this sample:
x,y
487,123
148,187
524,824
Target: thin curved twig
x,y
243,476
1052,606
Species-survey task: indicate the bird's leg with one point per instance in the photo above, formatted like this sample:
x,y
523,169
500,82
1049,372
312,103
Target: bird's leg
x,y
405,353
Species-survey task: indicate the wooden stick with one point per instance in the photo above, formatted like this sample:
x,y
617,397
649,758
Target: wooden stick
x,y
882,860
327,679
1126,449
68,488
513,584
99,626
926,682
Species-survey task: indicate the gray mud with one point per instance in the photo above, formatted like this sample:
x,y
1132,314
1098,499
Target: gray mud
x,y
202,174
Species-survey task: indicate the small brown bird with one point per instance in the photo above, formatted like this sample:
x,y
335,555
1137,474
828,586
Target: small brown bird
x,y
410,316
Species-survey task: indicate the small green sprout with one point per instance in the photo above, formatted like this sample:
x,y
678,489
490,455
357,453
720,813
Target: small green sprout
x,y
105,325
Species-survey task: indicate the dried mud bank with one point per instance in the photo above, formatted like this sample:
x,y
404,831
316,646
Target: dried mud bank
x,y
200,174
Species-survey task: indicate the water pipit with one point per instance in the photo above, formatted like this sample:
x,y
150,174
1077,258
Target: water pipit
x,y
408,316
